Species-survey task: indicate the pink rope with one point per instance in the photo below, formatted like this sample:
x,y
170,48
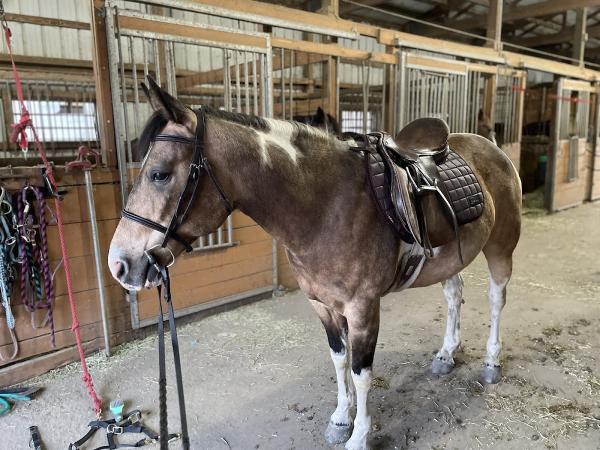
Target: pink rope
x,y
20,136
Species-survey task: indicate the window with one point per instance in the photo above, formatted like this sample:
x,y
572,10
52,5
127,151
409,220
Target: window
x,y
353,121
60,121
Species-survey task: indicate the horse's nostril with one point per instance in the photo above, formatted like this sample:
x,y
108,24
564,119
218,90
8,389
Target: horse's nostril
x,y
118,269
118,265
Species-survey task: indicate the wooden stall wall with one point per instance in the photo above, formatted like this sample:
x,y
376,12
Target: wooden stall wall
x,y
222,274
594,187
36,354
568,193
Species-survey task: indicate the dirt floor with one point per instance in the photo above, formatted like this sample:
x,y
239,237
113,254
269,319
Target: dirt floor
x,y
260,377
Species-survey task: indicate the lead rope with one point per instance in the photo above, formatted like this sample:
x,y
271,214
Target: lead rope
x,y
19,136
7,274
44,262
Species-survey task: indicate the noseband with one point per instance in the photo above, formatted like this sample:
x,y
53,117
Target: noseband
x,y
198,165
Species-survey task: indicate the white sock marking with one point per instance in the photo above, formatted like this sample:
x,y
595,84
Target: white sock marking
x,y
453,292
362,421
341,415
497,299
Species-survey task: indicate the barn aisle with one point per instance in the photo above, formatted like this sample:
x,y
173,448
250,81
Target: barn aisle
x,y
260,376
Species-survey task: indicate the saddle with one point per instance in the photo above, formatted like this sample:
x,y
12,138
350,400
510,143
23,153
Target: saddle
x,y
421,187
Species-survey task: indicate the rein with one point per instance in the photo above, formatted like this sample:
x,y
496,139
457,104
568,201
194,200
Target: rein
x,y
198,165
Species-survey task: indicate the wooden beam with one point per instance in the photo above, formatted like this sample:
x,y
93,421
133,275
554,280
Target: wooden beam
x,y
580,36
187,31
270,14
216,76
514,13
556,38
106,128
47,21
494,25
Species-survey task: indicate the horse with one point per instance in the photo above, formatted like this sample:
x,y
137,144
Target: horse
x,y
321,120
309,191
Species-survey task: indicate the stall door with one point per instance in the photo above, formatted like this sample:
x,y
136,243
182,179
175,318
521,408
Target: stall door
x,y
594,172
432,87
220,67
570,160
508,114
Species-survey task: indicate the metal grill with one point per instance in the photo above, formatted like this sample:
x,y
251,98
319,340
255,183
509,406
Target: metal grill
x,y
425,92
476,97
574,114
64,115
506,116
198,72
362,98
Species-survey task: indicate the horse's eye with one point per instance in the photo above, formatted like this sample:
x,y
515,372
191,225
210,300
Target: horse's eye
x,y
159,177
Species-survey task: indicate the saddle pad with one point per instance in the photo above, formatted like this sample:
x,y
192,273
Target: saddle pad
x,y
463,188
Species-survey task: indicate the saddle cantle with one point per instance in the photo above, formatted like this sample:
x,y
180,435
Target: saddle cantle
x,y
421,187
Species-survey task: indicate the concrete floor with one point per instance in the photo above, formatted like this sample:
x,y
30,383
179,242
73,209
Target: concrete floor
x,y
260,377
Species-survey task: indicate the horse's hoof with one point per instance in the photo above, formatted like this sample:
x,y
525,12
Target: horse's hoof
x,y
351,445
441,367
337,434
491,374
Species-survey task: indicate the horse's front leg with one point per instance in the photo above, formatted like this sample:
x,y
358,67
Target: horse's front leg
x,y
363,327
339,427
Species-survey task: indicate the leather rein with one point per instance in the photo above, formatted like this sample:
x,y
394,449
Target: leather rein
x,y
198,165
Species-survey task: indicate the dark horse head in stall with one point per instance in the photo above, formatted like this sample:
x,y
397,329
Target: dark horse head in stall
x,y
322,120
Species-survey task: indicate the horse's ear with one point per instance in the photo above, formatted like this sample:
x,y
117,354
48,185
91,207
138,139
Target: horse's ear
x,y
320,112
168,106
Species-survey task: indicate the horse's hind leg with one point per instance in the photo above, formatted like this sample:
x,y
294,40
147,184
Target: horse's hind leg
x,y
339,427
500,267
443,363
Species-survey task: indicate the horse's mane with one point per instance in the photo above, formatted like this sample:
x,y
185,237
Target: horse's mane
x,y
157,122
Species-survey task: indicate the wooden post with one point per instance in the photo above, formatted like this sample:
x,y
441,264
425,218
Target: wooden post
x,y
104,108
330,78
489,106
330,7
391,95
494,25
580,36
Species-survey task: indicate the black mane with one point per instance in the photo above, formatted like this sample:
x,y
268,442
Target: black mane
x,y
157,122
256,122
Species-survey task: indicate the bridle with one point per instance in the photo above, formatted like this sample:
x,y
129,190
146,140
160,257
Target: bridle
x,y
187,197
198,165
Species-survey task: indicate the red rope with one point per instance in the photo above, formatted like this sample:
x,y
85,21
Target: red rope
x,y
19,136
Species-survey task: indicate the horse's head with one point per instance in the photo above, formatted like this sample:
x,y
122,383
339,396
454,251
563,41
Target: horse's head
x,y
162,192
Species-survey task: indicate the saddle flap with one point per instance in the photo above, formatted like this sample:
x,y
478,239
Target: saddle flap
x,y
404,202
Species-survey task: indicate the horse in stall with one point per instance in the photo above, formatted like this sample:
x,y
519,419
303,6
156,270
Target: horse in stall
x,y
307,188
321,119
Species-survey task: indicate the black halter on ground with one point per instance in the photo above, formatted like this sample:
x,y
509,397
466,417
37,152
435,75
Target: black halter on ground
x,y
186,199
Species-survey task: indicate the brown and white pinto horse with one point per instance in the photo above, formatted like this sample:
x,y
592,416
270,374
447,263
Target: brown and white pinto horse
x,y
310,192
